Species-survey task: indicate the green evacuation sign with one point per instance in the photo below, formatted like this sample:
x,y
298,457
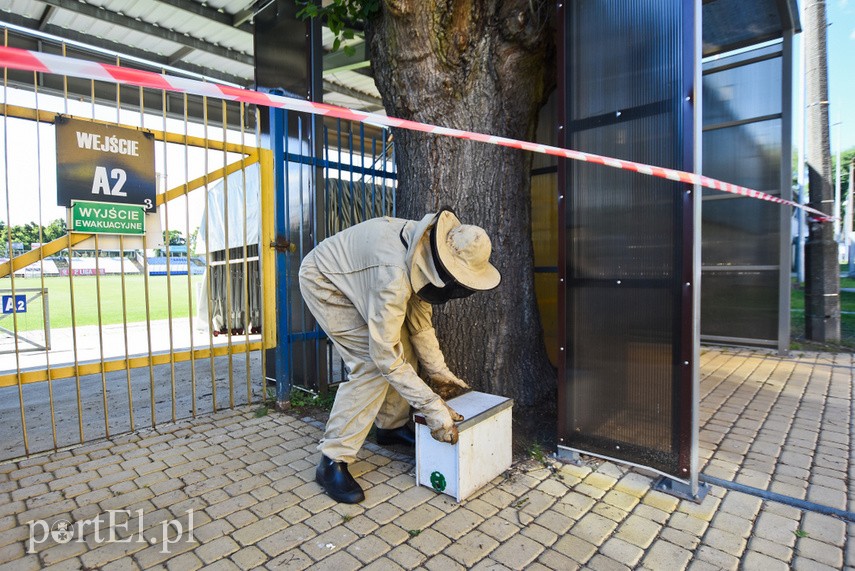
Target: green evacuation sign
x,y
104,218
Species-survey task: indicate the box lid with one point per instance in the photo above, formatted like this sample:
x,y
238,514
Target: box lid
x,y
475,407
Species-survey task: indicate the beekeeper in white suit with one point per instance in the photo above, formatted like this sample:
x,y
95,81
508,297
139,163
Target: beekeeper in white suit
x,y
371,287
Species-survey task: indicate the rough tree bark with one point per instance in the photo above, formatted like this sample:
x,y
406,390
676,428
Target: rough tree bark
x,y
822,283
488,66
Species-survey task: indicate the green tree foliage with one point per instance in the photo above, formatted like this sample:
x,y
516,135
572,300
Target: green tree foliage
x,y
194,239
340,17
846,158
173,238
31,233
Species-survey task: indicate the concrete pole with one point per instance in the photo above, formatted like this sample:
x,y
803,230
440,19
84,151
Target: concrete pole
x,y
822,284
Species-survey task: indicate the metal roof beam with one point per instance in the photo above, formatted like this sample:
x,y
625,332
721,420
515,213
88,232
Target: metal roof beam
x,y
789,11
150,29
109,46
179,55
215,15
339,61
46,16
350,92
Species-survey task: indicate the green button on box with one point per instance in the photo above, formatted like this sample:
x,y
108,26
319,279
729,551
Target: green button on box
x,y
106,218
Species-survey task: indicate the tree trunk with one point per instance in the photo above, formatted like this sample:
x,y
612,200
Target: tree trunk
x,y
482,66
822,281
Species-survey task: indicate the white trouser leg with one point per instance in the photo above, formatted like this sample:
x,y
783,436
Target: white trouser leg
x,y
366,393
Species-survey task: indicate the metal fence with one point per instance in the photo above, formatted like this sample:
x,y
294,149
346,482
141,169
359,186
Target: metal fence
x,y
338,173
180,320
131,345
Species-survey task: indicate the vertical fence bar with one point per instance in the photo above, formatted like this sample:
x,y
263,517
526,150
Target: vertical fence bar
x,y
45,318
285,227
148,330
303,138
392,160
301,231
189,276
266,254
229,305
383,196
265,270
167,243
72,305
125,332
279,144
11,258
101,338
362,169
208,267
340,222
350,185
247,321
374,178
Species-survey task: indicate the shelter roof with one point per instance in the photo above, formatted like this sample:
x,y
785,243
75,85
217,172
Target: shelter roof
x,y
214,38
734,24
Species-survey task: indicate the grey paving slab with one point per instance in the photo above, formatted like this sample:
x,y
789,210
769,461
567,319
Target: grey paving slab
x,y
779,423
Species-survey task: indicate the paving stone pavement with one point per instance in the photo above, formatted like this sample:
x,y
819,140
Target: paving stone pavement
x,y
779,424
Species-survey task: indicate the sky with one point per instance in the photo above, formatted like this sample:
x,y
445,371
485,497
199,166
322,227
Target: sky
x,y
841,71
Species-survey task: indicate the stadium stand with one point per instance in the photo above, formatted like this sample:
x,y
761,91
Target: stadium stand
x,y
178,266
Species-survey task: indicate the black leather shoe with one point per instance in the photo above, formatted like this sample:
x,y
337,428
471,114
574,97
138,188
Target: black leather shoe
x,y
337,482
401,435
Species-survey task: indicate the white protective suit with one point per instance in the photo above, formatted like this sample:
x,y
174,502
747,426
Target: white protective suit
x,y
357,284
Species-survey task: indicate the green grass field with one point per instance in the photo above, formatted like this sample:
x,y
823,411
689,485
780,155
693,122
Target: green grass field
x,y
847,318
86,302
87,292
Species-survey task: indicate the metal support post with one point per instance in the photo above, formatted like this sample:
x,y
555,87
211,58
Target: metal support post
x,y
282,360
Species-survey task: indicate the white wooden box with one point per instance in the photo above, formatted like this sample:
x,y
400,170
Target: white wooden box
x,y
482,452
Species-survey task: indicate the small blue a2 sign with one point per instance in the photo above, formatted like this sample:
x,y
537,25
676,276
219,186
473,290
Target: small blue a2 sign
x,y
15,304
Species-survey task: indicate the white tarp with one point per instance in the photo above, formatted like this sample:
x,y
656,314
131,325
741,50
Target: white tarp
x,y
237,214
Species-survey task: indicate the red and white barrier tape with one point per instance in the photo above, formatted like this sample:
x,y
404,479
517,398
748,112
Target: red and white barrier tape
x,y
14,58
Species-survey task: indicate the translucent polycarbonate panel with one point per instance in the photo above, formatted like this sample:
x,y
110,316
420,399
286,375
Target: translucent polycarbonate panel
x,y
731,24
623,225
748,155
743,92
627,237
740,231
741,305
623,398
743,233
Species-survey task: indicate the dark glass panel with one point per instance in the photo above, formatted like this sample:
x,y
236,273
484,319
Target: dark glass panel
x,y
623,373
747,155
740,304
731,24
743,92
745,232
740,231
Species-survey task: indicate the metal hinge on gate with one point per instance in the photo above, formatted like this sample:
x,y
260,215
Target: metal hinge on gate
x,y
282,245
